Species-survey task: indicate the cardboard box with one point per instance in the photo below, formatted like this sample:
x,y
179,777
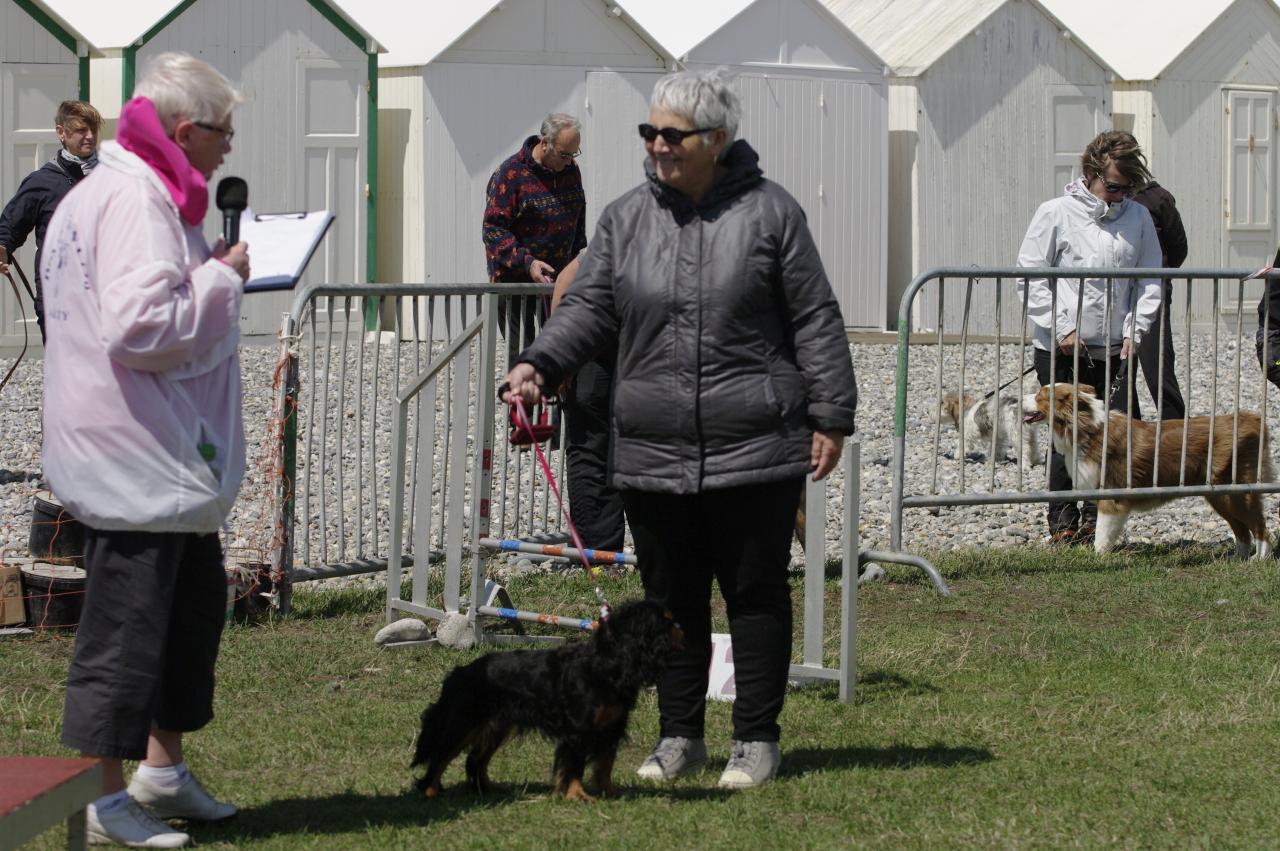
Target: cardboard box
x,y
11,611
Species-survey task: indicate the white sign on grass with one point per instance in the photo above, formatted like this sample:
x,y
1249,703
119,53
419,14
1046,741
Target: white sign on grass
x,y
720,684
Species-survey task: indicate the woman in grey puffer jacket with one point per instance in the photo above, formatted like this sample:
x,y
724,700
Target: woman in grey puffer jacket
x,y
733,382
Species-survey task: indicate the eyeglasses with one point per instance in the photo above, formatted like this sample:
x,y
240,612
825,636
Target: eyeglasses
x,y
567,156
227,133
670,135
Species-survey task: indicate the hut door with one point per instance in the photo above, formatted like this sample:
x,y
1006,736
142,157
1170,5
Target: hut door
x,y
330,173
30,94
1076,115
1248,198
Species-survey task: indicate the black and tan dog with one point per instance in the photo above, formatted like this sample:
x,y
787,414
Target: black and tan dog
x,y
579,694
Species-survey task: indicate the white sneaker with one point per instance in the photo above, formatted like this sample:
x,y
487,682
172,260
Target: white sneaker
x,y
188,801
133,826
672,757
750,764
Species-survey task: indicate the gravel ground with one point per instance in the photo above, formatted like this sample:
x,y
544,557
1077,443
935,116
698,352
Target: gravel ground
x,y
991,526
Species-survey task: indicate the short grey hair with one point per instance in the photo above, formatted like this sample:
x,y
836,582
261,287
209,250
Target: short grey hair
x,y
182,86
706,98
555,122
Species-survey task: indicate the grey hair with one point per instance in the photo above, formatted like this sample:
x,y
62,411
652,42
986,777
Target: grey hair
x,y
182,86
706,98
555,122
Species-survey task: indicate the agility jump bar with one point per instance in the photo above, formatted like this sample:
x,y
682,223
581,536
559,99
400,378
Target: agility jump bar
x,y
536,617
592,556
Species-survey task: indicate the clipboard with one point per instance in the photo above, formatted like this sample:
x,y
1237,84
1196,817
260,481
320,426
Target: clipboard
x,y
280,246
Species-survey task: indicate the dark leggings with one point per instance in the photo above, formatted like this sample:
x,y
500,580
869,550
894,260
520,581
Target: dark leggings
x,y
741,538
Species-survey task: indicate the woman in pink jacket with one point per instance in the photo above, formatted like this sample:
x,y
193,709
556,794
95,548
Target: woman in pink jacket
x,y
143,441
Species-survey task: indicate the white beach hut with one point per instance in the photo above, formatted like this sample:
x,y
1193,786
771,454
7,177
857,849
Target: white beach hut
x,y
43,61
1197,84
306,135
463,85
815,107
990,104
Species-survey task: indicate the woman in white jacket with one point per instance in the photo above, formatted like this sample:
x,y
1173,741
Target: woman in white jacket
x,y
1093,224
143,441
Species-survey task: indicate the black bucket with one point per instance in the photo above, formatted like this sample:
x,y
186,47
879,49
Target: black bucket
x,y
55,534
54,594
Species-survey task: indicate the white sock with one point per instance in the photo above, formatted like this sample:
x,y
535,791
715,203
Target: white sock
x,y
168,776
107,803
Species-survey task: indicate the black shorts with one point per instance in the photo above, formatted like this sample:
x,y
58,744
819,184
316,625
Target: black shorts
x,y
155,603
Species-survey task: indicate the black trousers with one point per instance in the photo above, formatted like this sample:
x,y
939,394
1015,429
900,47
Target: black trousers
x,y
1269,354
1150,358
596,508
1064,515
741,538
154,607
520,318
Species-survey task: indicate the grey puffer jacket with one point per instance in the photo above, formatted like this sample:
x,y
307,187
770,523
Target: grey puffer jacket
x,y
731,347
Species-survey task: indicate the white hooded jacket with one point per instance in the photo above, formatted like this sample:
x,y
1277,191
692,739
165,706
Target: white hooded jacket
x,y
142,415
1078,230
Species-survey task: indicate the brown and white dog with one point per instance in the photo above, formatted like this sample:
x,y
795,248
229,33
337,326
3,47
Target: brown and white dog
x,y
1242,511
983,416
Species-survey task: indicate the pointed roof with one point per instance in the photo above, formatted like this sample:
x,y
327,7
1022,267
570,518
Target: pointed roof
x,y
46,9
116,25
416,33
1168,28
911,35
680,25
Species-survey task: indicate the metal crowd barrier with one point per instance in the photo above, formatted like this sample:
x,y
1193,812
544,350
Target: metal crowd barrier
x,y
1003,327
341,377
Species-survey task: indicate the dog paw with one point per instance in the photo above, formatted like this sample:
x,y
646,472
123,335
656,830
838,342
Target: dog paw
x,y
576,792
977,457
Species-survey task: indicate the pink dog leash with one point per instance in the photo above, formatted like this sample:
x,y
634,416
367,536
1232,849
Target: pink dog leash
x,y
523,422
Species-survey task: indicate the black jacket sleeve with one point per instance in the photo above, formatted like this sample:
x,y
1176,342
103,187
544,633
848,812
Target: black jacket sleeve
x,y
21,214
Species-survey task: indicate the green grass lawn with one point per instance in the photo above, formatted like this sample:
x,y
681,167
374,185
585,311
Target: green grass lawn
x,y
1056,700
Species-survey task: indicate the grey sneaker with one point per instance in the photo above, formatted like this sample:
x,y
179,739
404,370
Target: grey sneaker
x,y
133,826
672,757
750,764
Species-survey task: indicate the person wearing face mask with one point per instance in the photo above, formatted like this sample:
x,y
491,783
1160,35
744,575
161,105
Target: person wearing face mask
x,y
1093,224
77,124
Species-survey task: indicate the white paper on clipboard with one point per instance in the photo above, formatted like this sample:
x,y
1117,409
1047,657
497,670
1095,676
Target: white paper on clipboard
x,y
280,246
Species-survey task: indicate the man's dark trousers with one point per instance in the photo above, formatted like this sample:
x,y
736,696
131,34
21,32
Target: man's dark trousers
x,y
596,508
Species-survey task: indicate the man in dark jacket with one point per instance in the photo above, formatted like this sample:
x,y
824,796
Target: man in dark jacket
x,y
1173,245
1269,328
77,124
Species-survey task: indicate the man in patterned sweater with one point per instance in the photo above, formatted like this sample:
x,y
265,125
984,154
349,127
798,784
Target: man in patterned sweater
x,y
535,214
535,219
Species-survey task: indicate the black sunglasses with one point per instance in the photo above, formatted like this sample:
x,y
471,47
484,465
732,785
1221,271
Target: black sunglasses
x,y
1126,188
670,135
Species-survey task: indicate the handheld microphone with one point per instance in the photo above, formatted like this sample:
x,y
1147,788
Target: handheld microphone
x,y
232,198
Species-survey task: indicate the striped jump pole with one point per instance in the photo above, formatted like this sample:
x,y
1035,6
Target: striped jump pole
x,y
536,617
593,556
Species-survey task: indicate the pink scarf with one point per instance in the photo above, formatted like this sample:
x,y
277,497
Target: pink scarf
x,y
140,132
